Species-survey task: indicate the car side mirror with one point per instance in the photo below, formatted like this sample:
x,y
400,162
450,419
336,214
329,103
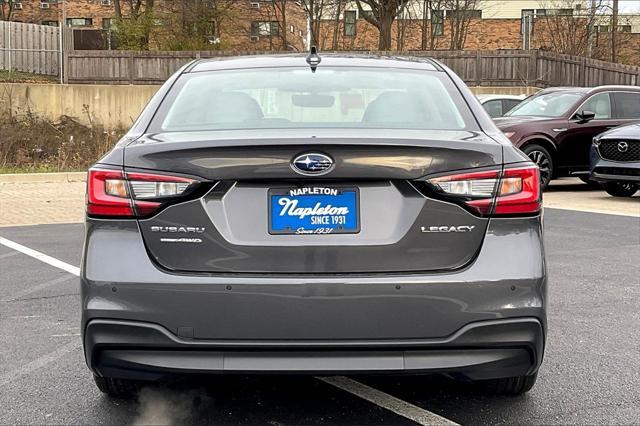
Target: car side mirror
x,y
585,116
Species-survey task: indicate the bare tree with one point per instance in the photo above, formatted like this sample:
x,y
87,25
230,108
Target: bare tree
x,y
564,29
429,26
280,14
424,24
134,22
118,9
134,8
614,32
459,16
270,19
404,24
6,9
606,34
192,24
338,9
382,14
592,29
222,10
316,10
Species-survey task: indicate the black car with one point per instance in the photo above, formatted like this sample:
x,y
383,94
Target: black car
x,y
615,160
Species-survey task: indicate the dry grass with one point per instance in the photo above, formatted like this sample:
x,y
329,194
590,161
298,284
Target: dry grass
x,y
24,77
29,143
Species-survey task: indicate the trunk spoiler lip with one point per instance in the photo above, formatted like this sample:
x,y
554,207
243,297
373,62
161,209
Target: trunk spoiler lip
x,y
335,136
417,155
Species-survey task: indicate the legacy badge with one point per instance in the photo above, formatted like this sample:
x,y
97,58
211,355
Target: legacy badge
x,y
446,229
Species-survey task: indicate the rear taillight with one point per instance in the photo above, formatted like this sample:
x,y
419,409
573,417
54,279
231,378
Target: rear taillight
x,y
519,192
516,191
475,189
112,193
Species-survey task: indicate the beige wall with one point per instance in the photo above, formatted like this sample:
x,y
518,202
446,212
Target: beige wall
x,y
493,9
111,106
512,9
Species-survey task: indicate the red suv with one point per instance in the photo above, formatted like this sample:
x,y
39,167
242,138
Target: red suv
x,y
555,127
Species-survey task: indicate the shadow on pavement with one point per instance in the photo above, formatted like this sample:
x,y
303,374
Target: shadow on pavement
x,y
236,399
276,399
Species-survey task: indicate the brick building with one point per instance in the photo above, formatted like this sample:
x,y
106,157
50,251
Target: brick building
x,y
80,13
264,25
233,24
258,25
493,24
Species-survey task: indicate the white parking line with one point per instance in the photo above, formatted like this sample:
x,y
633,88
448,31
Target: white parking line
x,y
61,351
387,401
41,256
391,403
630,213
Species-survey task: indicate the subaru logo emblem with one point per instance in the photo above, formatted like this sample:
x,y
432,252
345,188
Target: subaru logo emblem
x,y
312,164
623,146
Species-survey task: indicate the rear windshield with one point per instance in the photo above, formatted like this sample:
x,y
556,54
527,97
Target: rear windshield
x,y
297,98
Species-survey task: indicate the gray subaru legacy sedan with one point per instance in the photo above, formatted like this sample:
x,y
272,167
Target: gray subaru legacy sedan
x,y
285,215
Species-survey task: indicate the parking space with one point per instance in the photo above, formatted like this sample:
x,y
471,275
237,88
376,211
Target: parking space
x,y
591,372
573,194
42,198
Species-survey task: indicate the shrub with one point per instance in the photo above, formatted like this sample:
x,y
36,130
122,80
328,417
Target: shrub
x,y
33,144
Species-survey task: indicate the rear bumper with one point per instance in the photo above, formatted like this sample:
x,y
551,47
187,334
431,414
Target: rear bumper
x,y
483,350
139,319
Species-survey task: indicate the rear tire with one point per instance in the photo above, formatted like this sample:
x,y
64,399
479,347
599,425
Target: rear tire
x,y
620,189
510,385
117,388
543,159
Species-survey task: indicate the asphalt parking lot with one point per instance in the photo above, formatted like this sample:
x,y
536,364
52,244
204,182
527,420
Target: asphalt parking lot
x,y
591,371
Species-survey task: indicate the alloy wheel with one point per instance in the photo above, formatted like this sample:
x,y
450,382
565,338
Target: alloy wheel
x,y
627,186
621,189
544,164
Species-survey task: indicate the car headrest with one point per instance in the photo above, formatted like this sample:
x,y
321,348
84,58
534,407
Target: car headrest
x,y
232,107
396,107
602,108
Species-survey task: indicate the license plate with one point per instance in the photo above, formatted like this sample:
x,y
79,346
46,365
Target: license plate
x,y
314,210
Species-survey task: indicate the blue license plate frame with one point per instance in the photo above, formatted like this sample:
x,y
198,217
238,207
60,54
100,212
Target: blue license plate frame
x,y
328,201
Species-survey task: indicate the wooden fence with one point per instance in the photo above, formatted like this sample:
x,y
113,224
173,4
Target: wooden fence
x,y
533,68
476,68
30,48
36,49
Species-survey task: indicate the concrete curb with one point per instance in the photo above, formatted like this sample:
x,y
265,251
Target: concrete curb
x,y
43,177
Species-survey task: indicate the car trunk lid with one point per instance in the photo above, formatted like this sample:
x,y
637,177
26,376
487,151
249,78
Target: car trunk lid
x,y
396,227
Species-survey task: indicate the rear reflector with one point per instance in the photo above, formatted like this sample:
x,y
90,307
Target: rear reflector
x,y
111,193
516,192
